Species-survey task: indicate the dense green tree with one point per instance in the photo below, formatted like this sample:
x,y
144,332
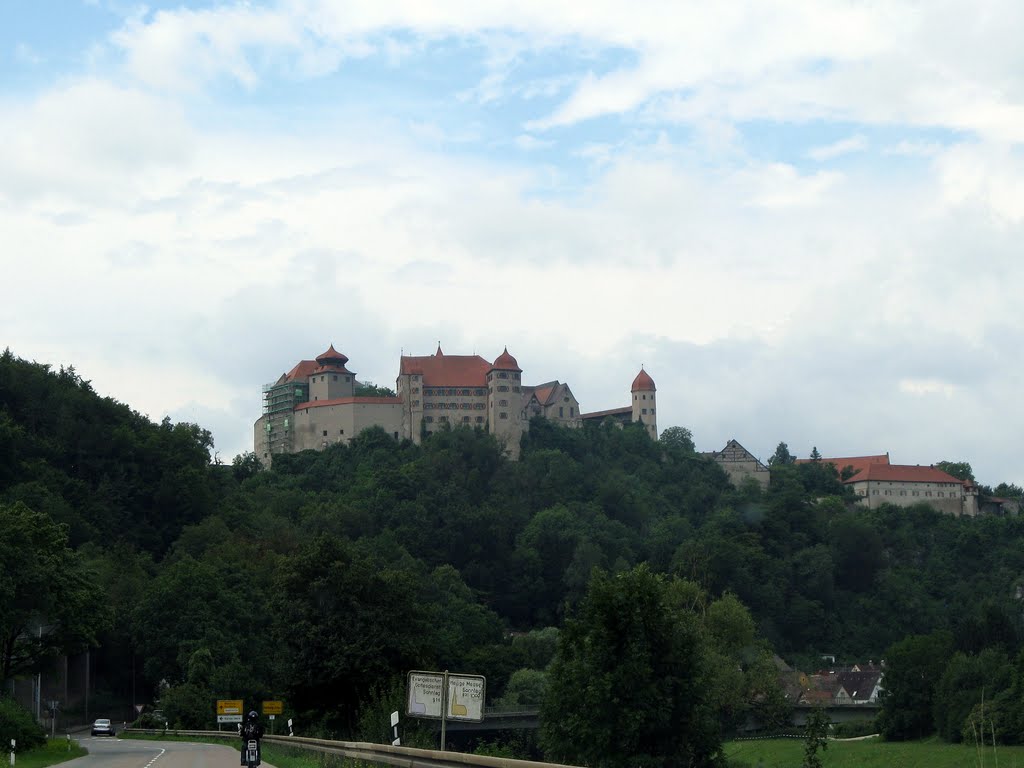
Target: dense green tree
x,y
958,469
781,457
49,603
913,669
628,686
679,439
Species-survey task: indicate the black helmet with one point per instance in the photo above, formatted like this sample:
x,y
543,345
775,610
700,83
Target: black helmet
x,y
253,715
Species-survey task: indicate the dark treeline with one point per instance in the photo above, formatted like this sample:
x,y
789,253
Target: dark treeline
x,y
327,578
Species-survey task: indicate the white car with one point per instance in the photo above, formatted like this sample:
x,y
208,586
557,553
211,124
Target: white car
x,y
103,728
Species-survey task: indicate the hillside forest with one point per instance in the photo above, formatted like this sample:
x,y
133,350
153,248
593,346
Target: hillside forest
x,y
600,563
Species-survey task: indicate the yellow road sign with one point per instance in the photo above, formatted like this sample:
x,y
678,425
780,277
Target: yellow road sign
x,y
273,708
230,706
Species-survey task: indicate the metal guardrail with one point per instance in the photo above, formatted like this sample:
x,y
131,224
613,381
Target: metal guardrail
x,y
404,757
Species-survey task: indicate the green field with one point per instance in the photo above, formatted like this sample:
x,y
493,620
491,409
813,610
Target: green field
x,y
872,753
55,751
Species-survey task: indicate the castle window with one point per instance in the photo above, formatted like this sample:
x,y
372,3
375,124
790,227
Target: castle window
x,y
503,388
465,419
464,392
396,435
652,411
453,406
927,493
917,493
643,411
502,415
515,389
874,492
442,418
415,403
449,392
903,493
502,375
341,431
415,390
635,397
503,403
478,406
572,411
940,494
428,419
560,412
644,397
348,378
325,433
479,419
479,391
888,493
515,376
334,377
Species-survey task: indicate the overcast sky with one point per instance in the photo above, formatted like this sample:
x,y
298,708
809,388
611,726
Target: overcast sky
x,y
804,219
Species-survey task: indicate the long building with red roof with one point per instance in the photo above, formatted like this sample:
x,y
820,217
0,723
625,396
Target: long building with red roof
x,y
876,481
315,405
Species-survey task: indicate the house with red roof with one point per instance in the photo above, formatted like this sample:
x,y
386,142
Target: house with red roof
x,y
906,484
314,405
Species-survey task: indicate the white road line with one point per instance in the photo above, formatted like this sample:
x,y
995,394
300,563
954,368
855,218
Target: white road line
x,y
150,763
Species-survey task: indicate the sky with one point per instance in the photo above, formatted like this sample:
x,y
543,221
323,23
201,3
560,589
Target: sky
x,y
804,219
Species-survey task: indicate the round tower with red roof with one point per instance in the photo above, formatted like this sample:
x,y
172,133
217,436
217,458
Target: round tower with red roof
x,y
645,402
505,402
330,379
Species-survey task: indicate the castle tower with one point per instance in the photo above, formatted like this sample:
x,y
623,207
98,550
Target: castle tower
x,y
505,402
331,379
644,403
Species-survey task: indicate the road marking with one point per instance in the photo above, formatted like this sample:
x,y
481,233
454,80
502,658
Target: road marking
x,y
155,758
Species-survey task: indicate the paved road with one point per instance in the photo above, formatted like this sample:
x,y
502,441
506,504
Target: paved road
x,y
136,753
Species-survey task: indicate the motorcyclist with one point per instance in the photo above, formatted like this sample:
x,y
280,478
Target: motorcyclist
x,y
252,728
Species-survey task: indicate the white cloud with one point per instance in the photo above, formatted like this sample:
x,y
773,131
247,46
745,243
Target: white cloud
x,y
839,148
180,254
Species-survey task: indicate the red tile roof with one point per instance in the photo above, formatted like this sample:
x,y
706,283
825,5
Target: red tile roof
x,y
859,463
903,473
505,362
350,400
440,370
302,370
332,356
543,392
643,382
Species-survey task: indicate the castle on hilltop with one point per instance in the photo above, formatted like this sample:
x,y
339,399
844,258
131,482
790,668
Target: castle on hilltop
x,y
315,405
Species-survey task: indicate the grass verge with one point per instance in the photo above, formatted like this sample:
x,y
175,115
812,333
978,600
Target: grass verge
x,y
53,752
872,753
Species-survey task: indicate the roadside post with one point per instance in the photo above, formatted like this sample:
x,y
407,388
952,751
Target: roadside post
x,y
69,742
12,751
446,696
291,731
396,742
229,711
272,709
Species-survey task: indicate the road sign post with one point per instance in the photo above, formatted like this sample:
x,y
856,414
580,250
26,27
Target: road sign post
x,y
446,696
229,711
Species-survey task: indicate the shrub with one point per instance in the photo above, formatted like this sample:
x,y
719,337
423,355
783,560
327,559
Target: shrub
x,y
855,728
16,722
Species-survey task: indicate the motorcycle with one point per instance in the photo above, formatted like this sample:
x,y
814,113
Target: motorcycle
x,y
252,753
